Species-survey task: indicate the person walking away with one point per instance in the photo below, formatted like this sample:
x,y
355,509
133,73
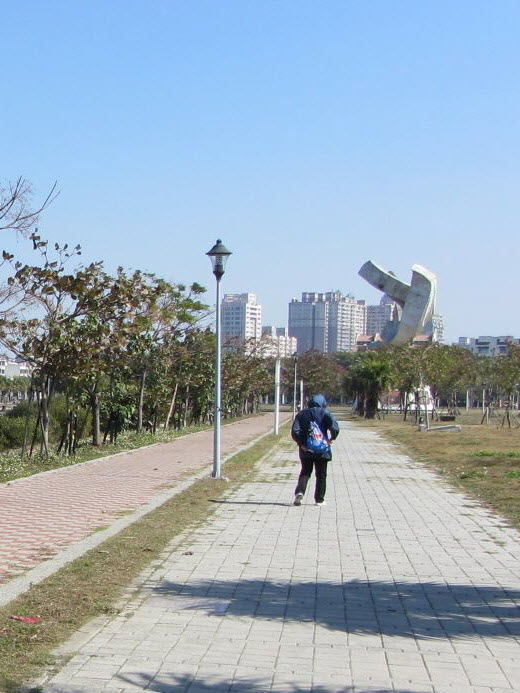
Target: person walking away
x,y
313,430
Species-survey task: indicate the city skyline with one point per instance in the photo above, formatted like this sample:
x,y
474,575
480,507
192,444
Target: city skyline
x,y
330,322
386,304
377,314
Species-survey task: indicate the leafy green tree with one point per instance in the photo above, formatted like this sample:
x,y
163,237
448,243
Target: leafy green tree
x,y
448,370
321,373
45,304
368,377
506,372
197,375
246,379
99,341
165,311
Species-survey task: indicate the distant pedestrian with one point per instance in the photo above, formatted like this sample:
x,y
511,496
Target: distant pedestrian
x,y
313,430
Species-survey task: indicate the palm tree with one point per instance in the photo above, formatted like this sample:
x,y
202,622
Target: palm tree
x,y
367,380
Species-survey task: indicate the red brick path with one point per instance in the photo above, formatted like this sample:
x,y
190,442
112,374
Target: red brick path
x,y
42,514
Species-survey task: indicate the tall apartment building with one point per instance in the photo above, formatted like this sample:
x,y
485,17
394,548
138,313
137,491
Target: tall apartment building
x,y
241,319
347,320
308,322
328,322
379,315
436,328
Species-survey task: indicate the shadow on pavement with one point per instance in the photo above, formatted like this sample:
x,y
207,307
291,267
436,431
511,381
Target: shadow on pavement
x,y
173,683
231,502
421,610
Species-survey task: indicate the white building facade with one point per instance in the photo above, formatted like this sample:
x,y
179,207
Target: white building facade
x,y
437,328
487,345
241,320
14,368
276,342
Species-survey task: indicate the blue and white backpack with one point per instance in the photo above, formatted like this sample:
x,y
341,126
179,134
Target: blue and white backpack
x,y
316,442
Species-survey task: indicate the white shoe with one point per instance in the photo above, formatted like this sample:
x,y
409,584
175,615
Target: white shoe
x,y
320,503
298,499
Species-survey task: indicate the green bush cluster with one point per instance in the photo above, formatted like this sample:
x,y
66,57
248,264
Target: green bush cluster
x,y
11,431
13,423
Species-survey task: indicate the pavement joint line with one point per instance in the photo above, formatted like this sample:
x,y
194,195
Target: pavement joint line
x,y
22,583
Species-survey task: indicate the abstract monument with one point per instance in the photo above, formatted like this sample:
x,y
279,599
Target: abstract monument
x,y
414,302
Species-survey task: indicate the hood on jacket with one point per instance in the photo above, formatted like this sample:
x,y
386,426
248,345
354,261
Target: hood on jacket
x,y
317,401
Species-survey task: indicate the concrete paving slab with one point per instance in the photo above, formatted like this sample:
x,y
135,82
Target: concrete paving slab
x,y
388,588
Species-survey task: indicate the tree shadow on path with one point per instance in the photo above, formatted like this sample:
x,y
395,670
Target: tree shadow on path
x,y
175,683
416,610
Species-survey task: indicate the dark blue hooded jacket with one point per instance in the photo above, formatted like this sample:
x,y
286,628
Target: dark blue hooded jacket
x,y
318,412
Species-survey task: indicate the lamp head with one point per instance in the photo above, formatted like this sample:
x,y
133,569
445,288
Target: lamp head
x,y
218,256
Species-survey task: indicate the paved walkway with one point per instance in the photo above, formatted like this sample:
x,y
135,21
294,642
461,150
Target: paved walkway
x,y
398,584
46,513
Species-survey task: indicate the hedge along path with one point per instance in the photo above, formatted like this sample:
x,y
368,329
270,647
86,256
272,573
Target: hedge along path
x,y
90,586
44,514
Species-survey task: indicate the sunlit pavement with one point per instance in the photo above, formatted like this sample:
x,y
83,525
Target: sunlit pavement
x,y
398,584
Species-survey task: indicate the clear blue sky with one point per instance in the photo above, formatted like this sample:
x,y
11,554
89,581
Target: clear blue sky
x,y
309,136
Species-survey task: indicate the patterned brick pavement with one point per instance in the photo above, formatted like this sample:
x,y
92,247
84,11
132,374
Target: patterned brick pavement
x,y
42,514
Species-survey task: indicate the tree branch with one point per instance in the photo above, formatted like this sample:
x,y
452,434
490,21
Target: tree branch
x,y
16,212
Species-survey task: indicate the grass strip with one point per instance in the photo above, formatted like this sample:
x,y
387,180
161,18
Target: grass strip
x,y
496,453
93,584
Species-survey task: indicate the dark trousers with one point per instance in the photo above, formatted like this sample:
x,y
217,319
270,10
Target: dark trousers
x,y
320,467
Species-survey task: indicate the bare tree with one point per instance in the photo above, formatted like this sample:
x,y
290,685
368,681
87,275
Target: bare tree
x,y
16,210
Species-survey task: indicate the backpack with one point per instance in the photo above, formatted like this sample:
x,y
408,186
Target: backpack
x,y
316,442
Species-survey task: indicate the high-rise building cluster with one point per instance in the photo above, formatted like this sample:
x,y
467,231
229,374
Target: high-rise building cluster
x,y
329,322
332,322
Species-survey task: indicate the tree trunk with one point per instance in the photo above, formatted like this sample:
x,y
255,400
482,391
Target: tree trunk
x,y
44,416
371,405
141,401
172,406
73,433
155,415
96,417
27,415
36,427
186,403
64,438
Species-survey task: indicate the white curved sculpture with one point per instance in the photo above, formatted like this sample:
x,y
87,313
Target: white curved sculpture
x,y
415,301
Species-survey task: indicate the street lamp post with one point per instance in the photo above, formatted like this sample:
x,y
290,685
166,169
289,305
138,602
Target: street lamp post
x,y
295,386
276,396
218,256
